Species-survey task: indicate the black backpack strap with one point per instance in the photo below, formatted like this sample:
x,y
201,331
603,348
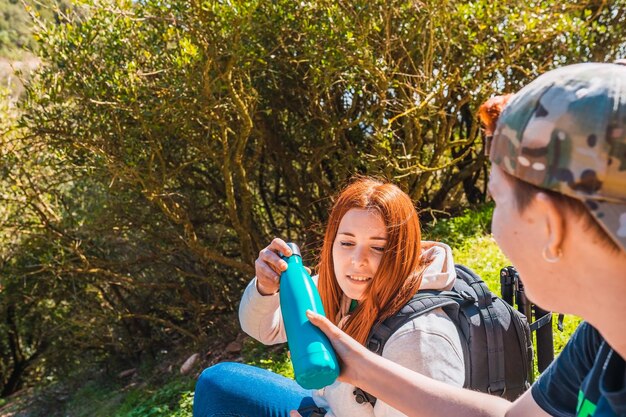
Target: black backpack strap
x,y
495,341
538,324
421,303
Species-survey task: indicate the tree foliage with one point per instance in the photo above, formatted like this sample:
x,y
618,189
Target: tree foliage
x,y
164,143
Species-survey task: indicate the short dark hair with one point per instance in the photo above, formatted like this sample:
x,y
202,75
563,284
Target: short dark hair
x,y
524,193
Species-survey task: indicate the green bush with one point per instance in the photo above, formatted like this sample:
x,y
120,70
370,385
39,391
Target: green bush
x,y
455,231
164,143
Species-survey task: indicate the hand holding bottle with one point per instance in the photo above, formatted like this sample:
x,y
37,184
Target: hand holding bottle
x,y
269,265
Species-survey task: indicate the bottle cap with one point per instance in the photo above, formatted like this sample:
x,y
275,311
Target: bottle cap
x,y
294,249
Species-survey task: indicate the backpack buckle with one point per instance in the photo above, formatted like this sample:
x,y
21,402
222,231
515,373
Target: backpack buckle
x,y
315,411
467,296
359,395
498,392
374,345
363,397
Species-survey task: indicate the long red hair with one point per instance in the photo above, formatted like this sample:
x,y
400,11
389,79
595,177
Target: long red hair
x,y
399,274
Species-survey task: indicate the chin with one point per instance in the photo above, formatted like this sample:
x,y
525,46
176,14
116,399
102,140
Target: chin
x,y
351,292
545,299
354,295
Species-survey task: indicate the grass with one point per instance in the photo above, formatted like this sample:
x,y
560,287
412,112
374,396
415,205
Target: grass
x,y
172,400
273,358
98,399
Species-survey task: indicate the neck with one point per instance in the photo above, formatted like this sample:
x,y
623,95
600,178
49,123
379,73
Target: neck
x,y
609,322
601,287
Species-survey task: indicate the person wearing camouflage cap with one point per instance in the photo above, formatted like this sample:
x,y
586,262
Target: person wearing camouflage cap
x,y
567,133
558,179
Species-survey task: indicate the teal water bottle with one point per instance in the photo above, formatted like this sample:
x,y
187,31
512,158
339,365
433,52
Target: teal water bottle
x,y
314,361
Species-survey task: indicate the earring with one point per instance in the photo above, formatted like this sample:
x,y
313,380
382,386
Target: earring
x,y
549,258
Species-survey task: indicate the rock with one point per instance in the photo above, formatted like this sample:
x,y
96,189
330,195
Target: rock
x,y
233,347
127,373
189,364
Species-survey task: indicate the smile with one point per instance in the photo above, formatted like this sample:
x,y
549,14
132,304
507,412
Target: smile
x,y
359,278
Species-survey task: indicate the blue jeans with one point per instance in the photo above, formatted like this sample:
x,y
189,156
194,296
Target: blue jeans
x,y
238,390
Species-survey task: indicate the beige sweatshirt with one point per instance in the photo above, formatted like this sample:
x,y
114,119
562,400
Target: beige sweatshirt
x,y
428,344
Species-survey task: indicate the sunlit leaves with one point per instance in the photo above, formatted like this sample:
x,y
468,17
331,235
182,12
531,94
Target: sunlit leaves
x,y
187,134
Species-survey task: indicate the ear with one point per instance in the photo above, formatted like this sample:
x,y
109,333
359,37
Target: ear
x,y
554,222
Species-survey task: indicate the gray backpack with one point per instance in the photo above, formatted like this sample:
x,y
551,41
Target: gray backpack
x,y
497,346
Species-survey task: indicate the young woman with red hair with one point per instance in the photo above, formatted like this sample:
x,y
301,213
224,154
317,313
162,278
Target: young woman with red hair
x,y
371,263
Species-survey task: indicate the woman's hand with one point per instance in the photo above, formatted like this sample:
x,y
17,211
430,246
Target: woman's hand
x,y
349,351
268,266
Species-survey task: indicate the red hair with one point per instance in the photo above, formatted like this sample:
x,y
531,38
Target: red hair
x,y
490,110
399,274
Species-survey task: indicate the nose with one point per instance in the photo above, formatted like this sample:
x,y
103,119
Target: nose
x,y
359,256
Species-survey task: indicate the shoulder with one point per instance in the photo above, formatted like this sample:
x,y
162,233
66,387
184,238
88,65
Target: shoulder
x,y
429,344
581,350
556,390
586,336
434,325
316,279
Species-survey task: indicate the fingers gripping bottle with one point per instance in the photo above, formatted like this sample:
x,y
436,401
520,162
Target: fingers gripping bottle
x,y
314,361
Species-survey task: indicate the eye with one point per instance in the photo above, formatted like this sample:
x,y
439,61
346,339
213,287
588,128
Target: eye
x,y
346,244
380,249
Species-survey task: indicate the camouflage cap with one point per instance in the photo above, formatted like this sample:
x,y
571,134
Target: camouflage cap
x,y
566,131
